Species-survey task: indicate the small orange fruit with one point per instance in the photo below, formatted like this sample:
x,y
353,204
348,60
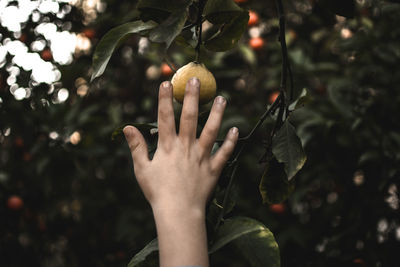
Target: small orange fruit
x,y
273,96
257,43
277,208
166,70
15,203
46,55
253,18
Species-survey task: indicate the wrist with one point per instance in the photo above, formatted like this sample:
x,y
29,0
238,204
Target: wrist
x,y
168,211
182,236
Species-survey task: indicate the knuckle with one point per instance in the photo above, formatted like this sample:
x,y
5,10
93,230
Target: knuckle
x,y
163,113
189,115
210,132
164,92
133,145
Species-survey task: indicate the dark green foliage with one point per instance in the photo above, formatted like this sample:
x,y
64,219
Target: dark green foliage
x,y
110,41
221,11
344,8
252,239
287,149
230,34
274,186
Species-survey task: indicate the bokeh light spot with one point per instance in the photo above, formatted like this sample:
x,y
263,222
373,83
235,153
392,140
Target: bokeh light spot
x,y
62,95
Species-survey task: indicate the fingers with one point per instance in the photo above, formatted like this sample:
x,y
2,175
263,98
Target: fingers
x,y
210,131
166,120
219,159
188,123
137,145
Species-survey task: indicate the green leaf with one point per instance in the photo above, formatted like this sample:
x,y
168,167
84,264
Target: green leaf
x,y
287,148
345,8
274,186
301,101
170,28
163,5
253,239
248,54
142,255
259,248
109,42
229,35
221,11
159,10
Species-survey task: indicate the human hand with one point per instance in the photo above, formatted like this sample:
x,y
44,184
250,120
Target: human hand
x,y
182,173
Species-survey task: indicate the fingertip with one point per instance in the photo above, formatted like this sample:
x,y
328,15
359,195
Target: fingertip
x,y
166,84
194,81
220,100
128,131
234,132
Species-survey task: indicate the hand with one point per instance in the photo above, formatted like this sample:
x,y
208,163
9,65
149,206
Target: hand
x,y
182,173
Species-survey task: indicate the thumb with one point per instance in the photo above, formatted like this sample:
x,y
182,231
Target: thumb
x,y
137,145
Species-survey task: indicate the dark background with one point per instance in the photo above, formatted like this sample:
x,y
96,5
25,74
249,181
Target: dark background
x,y
81,203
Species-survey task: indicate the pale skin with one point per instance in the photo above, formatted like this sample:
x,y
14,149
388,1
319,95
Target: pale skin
x,y
180,178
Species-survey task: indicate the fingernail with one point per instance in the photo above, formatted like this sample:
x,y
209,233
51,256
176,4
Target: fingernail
x,y
127,132
220,100
194,81
166,84
234,130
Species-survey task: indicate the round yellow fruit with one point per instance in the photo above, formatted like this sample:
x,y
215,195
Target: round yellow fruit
x,y
208,85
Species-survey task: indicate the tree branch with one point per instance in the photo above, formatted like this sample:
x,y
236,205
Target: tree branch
x,y
199,26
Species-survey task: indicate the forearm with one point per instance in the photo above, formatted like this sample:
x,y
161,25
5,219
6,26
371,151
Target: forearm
x,y
182,237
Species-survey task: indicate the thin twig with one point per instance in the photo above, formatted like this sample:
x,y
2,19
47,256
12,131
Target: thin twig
x,y
285,58
168,62
226,195
199,27
188,26
263,117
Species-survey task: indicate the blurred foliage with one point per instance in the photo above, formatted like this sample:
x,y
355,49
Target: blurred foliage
x,y
81,204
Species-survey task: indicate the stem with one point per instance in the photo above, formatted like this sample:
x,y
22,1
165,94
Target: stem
x,y
285,59
168,62
226,196
280,102
235,159
199,26
260,121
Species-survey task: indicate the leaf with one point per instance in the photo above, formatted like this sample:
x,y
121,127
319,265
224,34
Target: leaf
x,y
229,35
259,248
109,42
274,186
170,28
163,5
221,11
301,101
253,239
248,54
145,128
287,148
345,8
142,255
